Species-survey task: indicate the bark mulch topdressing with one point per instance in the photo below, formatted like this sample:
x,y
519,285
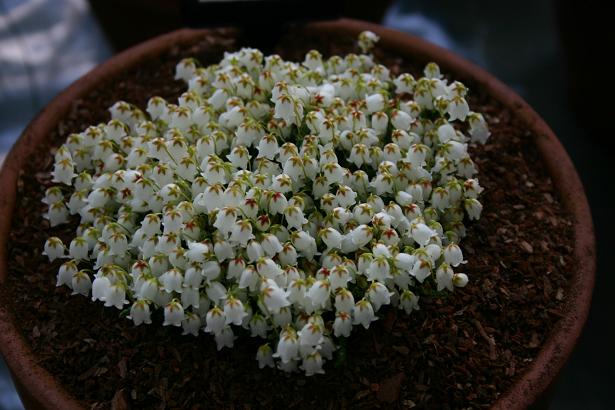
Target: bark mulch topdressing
x,y
462,350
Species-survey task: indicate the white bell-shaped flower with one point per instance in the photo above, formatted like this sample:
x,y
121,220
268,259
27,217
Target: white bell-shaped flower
x,y
234,311
312,364
140,312
293,167
379,269
363,313
274,297
81,283
401,120
54,248
254,250
191,324
57,214
339,277
267,268
421,269
149,289
66,272
319,293
342,325
63,171
383,183
239,157
421,233
277,203
115,295
288,255
446,133
310,335
379,295
380,122
473,208
404,83
213,197
444,277
478,128
374,103
294,217
249,207
264,356
215,320
458,109
344,301
361,235
198,252
78,248
268,147
282,317
271,245
417,154
472,188
333,173
173,313
225,220
172,280
224,338
225,249
215,291
288,345
453,255
258,326
331,237
408,301
241,233
235,268
190,297
249,278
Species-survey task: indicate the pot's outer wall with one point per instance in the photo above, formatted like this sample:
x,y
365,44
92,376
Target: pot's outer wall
x,y
39,390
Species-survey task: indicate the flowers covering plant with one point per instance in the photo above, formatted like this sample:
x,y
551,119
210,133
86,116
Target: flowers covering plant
x,y
290,201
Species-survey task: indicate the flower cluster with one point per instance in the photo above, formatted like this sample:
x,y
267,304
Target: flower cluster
x,y
290,200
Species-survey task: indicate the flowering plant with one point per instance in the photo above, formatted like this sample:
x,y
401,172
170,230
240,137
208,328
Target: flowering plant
x,y
293,200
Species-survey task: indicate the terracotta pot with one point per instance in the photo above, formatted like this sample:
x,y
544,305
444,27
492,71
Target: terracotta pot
x,y
38,388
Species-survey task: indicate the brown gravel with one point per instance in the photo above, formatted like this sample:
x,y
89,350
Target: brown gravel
x,y
456,352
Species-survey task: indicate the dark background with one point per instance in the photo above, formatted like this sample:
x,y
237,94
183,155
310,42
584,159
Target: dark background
x,y
552,53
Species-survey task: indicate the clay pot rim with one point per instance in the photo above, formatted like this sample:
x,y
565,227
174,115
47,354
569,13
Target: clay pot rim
x,y
38,387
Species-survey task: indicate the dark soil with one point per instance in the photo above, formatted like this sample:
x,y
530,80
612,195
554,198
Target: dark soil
x,y
461,351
